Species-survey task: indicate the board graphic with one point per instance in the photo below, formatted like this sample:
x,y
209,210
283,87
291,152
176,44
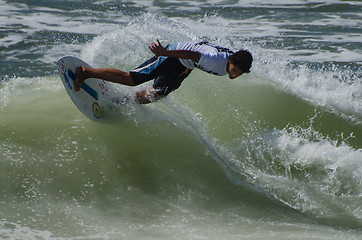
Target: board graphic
x,y
93,97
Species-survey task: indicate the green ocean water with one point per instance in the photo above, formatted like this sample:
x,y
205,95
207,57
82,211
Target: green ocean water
x,y
274,154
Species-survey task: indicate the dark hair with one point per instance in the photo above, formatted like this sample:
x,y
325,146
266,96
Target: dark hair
x,y
242,59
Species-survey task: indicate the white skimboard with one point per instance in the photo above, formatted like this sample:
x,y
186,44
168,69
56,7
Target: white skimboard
x,y
94,96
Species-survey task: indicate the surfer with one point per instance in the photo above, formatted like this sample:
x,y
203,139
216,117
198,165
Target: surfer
x,y
170,66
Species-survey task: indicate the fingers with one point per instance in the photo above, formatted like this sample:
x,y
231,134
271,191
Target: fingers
x,y
153,45
156,48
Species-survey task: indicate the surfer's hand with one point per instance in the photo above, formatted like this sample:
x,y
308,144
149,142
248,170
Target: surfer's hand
x,y
157,49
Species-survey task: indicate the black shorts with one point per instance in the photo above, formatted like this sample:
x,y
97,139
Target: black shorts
x,y
168,74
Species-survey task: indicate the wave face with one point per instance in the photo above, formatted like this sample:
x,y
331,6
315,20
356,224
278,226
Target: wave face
x,y
272,154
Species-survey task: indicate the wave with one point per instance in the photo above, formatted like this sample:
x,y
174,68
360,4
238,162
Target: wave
x,y
290,130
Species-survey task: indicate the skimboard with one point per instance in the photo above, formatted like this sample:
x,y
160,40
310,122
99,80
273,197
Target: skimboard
x,y
93,97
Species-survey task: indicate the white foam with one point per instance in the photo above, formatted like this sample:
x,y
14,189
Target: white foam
x,y
337,174
128,46
315,177
13,230
11,40
49,19
18,88
338,88
191,4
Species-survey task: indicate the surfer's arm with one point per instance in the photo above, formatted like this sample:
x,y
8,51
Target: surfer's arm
x,y
159,50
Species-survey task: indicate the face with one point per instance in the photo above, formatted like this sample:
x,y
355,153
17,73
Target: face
x,y
234,71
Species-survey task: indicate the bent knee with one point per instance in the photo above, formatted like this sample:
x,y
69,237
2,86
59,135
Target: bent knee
x,y
147,96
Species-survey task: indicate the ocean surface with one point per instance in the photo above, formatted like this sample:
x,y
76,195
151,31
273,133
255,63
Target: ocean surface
x,y
274,154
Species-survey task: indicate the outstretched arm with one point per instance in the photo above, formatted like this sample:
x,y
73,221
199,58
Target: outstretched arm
x,y
159,50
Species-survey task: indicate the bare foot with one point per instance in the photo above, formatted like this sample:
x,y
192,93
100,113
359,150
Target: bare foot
x,y
80,77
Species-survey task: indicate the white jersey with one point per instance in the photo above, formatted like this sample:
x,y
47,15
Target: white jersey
x,y
214,59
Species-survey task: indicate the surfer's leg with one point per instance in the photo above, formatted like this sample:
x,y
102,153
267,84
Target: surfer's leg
x,y
108,74
162,86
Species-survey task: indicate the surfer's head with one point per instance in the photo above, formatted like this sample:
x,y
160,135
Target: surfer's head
x,y
242,60
233,70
